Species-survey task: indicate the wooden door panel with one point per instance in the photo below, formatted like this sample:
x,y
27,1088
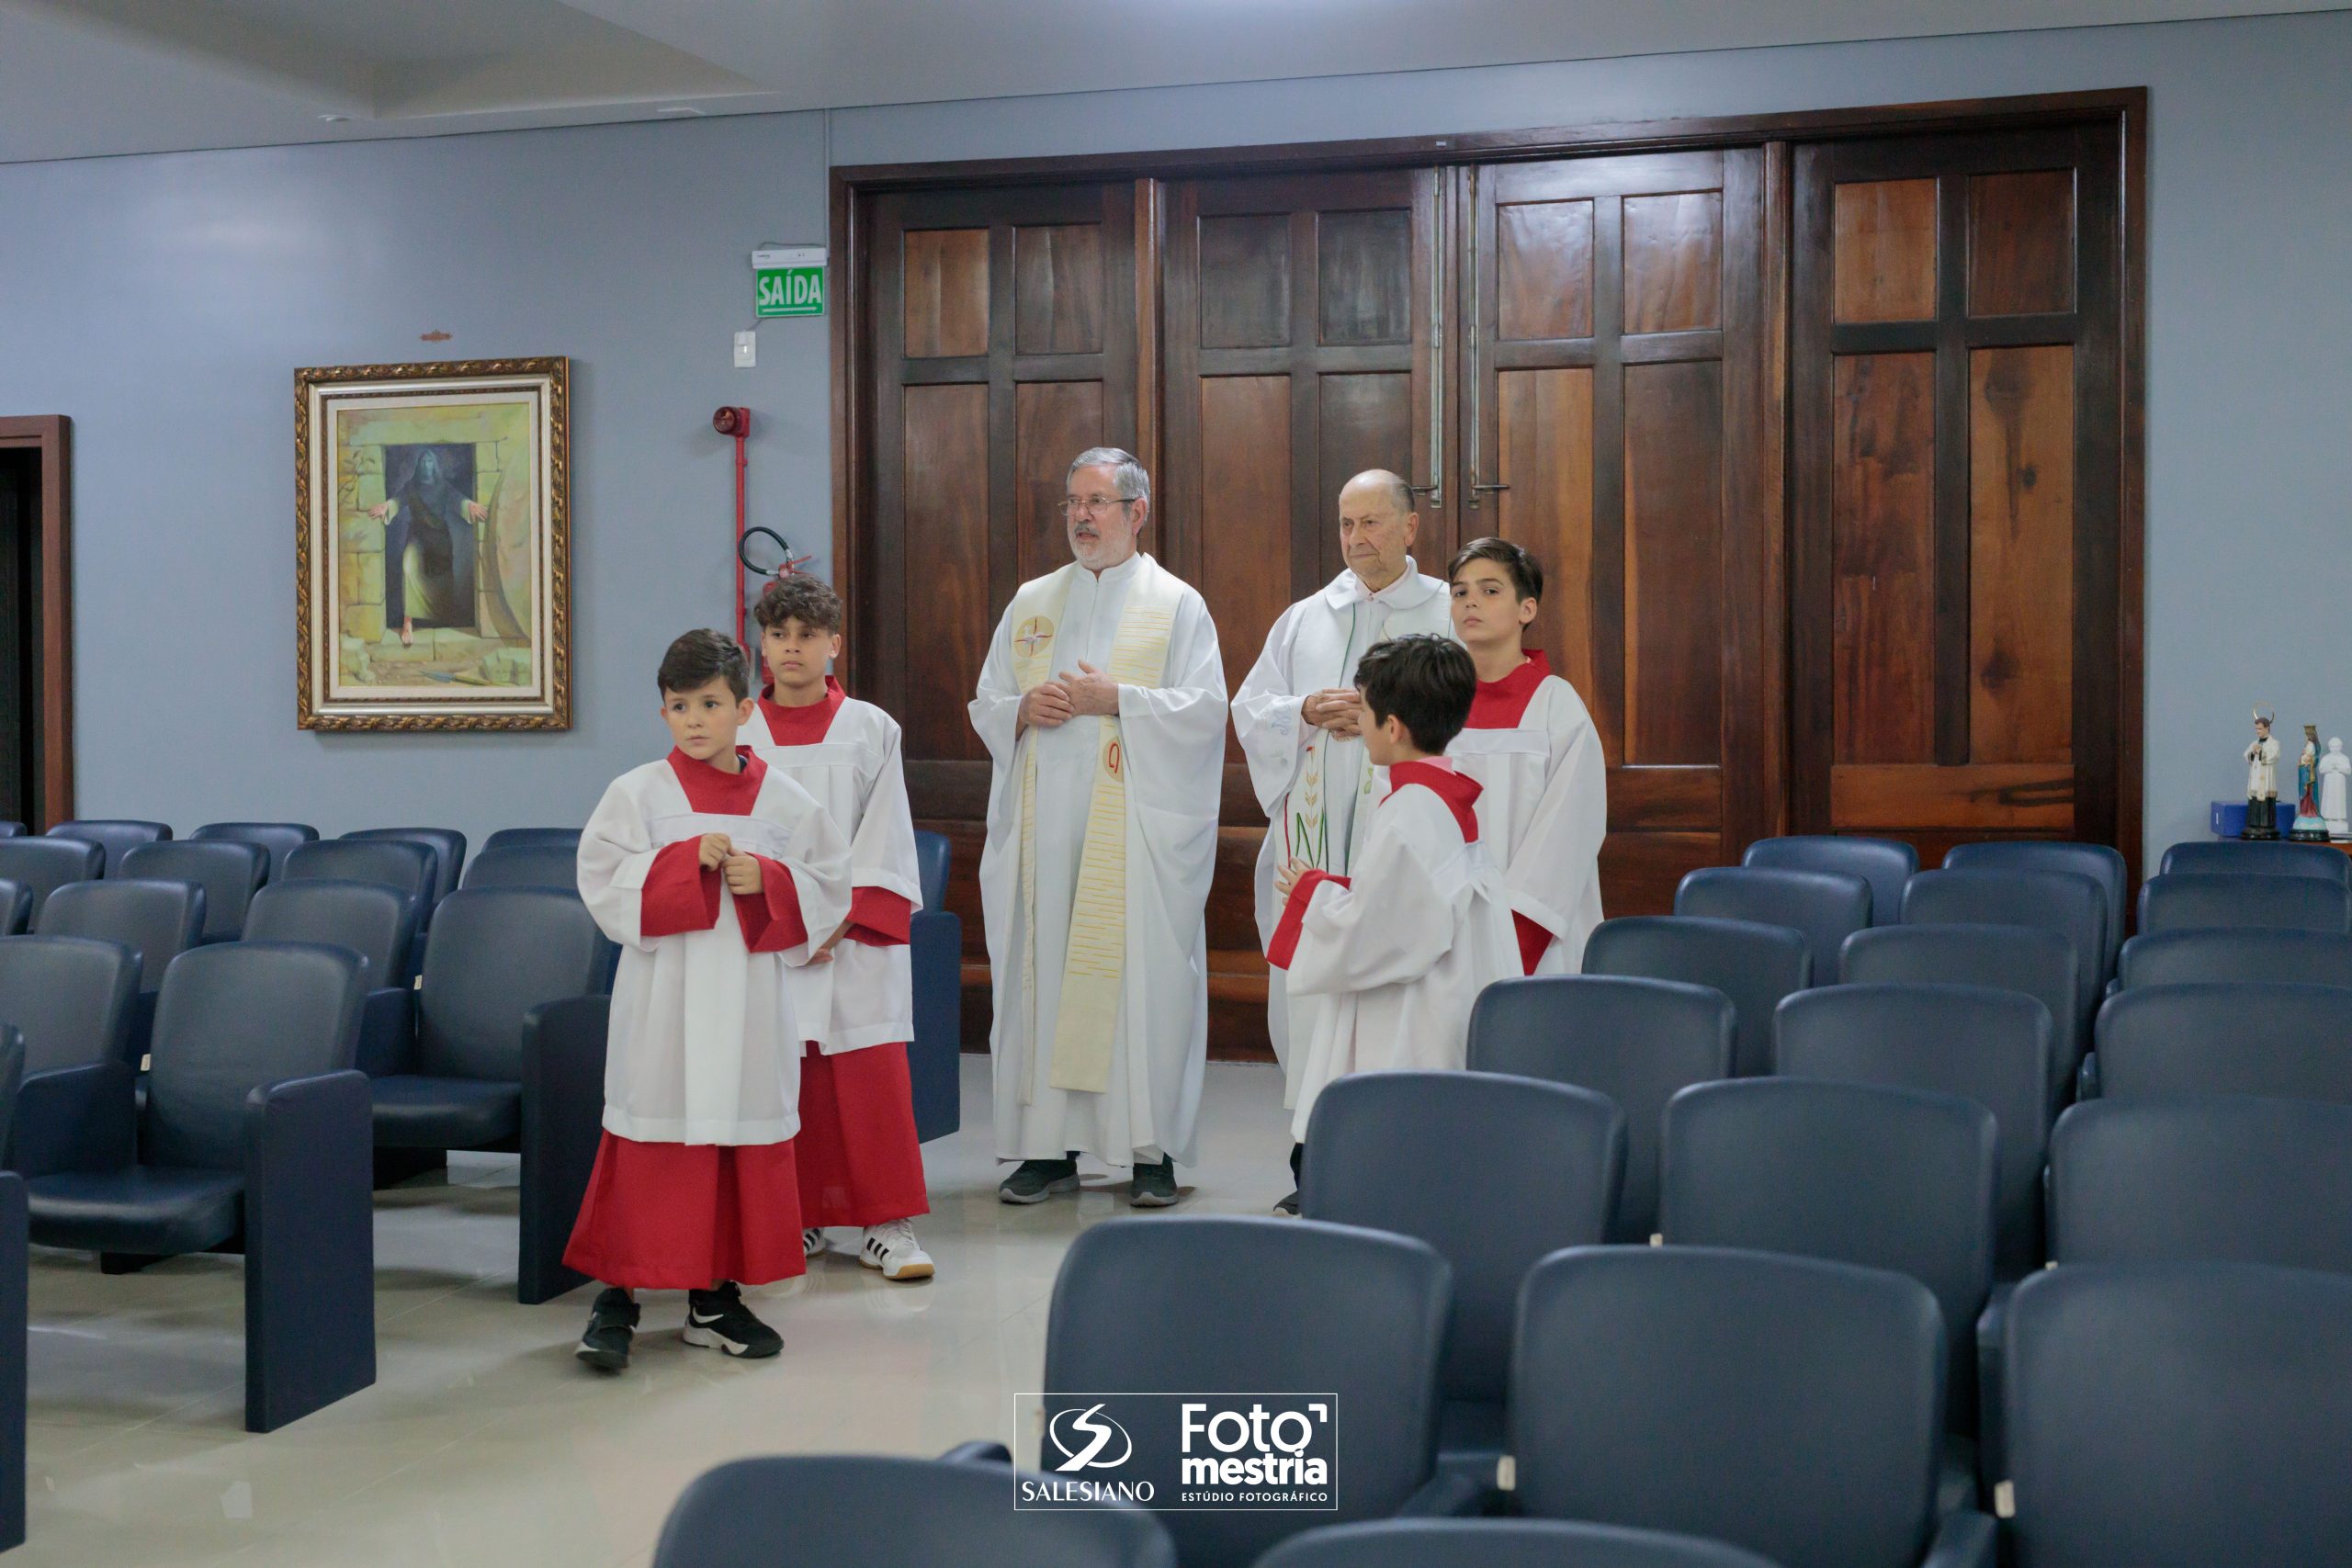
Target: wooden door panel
x,y
1543,262
1673,591
1544,423
1884,255
1058,281
2021,559
1364,275
2021,242
1674,261
1244,281
1245,543
1882,551
945,564
946,309
1052,422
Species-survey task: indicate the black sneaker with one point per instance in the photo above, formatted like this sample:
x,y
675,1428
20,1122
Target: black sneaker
x,y
1154,1186
719,1320
1288,1207
1038,1179
612,1322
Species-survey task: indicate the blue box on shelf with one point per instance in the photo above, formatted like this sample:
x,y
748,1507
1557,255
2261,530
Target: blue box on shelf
x,y
2229,818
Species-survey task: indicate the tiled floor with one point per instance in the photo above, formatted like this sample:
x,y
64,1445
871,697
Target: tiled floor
x,y
483,1442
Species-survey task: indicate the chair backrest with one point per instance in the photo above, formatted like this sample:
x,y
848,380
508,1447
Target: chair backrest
x,y
881,1511
71,997
2075,907
116,836
2100,862
12,1078
373,921
234,1017
229,873
1885,863
493,954
1895,1179
517,838
932,856
2261,858
1785,1404
2038,963
1493,1170
2290,1041
12,830
158,921
1501,1543
16,908
2210,900
1826,905
1213,1303
448,847
2232,1178
280,839
2179,1415
2175,958
1753,964
45,864
399,863
1635,1041
1986,1045
526,865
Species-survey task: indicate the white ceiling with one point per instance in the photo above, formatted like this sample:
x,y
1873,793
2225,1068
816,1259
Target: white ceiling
x,y
81,78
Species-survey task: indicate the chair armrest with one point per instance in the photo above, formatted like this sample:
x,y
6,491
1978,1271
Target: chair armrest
x,y
1448,1494
2086,1077
304,1135
83,1118
1964,1540
387,1031
978,1453
1991,1444
309,1246
563,1125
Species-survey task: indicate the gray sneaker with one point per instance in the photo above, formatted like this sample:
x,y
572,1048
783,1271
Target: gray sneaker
x,y
1038,1179
1154,1186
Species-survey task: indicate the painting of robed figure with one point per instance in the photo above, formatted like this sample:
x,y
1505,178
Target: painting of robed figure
x,y
433,548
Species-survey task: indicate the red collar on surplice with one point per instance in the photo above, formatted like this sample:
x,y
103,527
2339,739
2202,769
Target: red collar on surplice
x,y
1502,705
1459,791
806,724
717,794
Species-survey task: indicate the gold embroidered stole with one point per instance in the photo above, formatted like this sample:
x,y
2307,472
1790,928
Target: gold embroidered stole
x,y
1095,962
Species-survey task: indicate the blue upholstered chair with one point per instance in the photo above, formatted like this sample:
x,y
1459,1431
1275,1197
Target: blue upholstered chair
x,y
157,920
2261,858
2179,1415
1501,1543
876,1511
229,873
1636,1042
45,864
517,838
1885,863
406,867
1787,1405
2176,958
1755,966
2038,963
1826,905
2073,906
14,1257
1494,1171
525,865
277,839
253,1137
16,908
448,847
116,836
71,997
2184,900
2101,864
2290,1041
935,939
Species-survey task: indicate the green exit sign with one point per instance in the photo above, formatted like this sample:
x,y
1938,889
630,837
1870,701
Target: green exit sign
x,y
791,280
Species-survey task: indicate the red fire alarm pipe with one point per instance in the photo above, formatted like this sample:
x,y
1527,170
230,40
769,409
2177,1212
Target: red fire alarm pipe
x,y
737,423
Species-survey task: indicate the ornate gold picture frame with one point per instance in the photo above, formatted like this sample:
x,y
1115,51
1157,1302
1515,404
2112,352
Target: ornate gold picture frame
x,y
433,545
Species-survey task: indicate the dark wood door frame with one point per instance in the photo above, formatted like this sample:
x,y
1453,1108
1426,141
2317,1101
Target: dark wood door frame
x,y
51,438
854,188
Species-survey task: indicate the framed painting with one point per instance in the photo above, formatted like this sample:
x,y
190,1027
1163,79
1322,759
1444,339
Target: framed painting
x,y
432,556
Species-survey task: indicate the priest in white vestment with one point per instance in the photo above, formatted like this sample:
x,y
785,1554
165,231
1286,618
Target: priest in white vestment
x,y
1103,708
1300,719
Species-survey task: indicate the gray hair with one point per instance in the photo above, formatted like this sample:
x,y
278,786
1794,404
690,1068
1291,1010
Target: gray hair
x,y
1128,476
1393,490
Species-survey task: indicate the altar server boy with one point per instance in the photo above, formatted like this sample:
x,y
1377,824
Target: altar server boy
x,y
859,1161
711,870
1544,804
1405,943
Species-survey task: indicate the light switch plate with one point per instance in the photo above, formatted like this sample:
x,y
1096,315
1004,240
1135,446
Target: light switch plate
x,y
747,350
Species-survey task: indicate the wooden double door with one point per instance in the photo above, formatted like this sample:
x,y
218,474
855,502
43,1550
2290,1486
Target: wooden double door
x,y
1814,563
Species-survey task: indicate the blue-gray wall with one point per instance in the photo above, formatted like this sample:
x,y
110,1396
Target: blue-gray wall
x,y
163,303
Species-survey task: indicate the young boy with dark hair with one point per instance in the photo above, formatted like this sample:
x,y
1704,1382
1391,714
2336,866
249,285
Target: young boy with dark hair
x,y
859,1161
710,869
1544,807
1404,945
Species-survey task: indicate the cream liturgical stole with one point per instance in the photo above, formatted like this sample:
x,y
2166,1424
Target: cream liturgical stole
x,y
1096,958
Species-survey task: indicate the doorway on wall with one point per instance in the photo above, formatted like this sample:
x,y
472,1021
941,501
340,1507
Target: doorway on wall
x,y
36,621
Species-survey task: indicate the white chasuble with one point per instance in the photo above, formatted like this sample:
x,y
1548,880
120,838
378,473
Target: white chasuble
x,y
1318,788
1102,839
704,1047
1544,810
1401,947
844,752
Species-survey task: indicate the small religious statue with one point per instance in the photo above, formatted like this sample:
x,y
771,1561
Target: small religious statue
x,y
2262,780
2335,771
2308,827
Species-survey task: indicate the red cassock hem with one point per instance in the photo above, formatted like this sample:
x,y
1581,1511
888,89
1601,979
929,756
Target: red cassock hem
x,y
684,1216
859,1162
1533,942
771,918
880,917
1292,925
679,896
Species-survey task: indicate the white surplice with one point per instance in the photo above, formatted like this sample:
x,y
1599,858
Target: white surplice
x,y
1401,948
1172,738
704,1047
844,752
1544,810
1316,788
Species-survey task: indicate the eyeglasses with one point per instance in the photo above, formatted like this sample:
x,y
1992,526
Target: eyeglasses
x,y
1096,505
